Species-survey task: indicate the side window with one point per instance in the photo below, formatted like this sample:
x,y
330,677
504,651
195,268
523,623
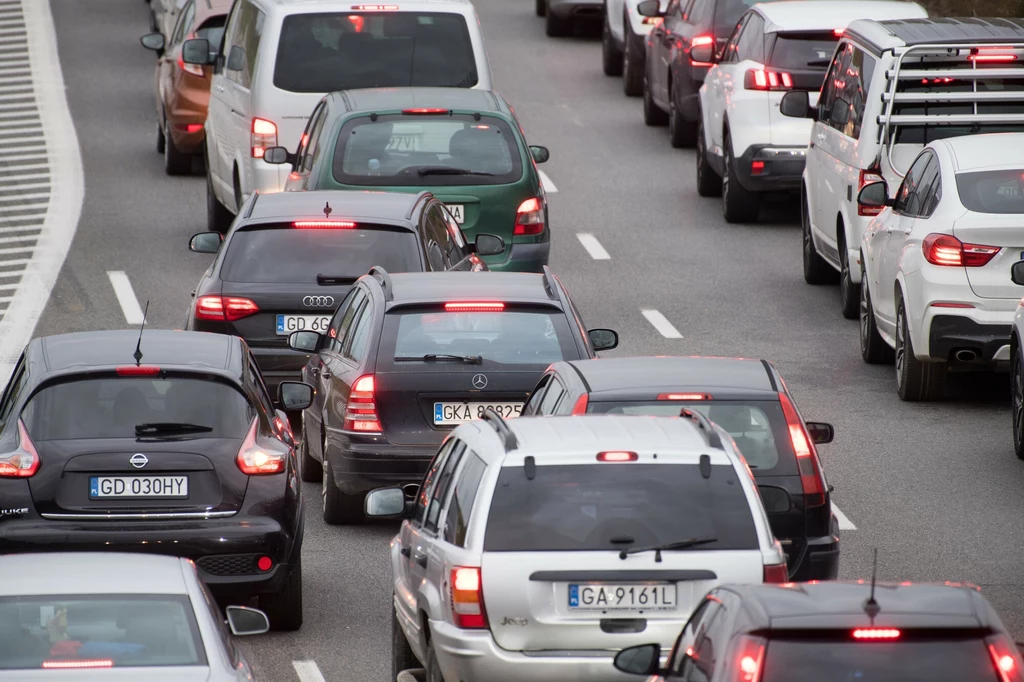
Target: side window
x,y
184,22
332,329
846,89
13,392
243,42
674,8
436,233
551,398
456,249
582,327
313,146
343,321
908,197
444,481
834,84
360,336
261,388
460,509
928,189
303,155
684,643
537,396
218,619
751,41
699,664
862,68
429,481
729,54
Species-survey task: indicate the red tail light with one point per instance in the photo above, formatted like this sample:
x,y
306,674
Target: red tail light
x,y
684,396
811,479
866,178
323,224
228,308
581,404
765,79
361,411
529,217
189,127
193,69
254,460
137,371
24,461
262,137
698,41
471,307
838,31
264,563
945,249
749,659
467,591
776,573
1005,658
876,633
73,664
424,110
617,456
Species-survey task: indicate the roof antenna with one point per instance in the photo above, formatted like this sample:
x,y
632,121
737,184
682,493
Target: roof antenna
x,y
327,210
871,607
138,346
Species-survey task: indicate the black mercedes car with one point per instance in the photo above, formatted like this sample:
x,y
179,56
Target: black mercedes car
x,y
163,442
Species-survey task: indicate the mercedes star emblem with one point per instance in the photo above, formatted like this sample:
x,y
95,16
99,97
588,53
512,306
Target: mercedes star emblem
x,y
479,381
139,460
318,301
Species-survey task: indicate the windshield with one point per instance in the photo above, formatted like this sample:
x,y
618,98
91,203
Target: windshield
x,y
803,51
344,51
427,151
999,191
112,408
293,255
108,631
616,506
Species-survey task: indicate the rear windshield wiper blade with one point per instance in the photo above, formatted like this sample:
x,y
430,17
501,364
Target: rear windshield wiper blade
x,y
820,62
334,279
665,546
468,359
169,428
448,170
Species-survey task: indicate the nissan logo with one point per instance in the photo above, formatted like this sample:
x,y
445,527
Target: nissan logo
x,y
139,460
318,301
479,381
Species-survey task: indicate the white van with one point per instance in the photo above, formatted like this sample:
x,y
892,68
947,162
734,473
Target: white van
x,y
279,57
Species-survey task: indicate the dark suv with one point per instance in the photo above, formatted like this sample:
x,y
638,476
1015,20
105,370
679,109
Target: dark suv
x,y
748,399
408,357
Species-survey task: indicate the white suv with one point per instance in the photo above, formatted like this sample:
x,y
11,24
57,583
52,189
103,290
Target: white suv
x,y
278,59
538,548
623,52
745,146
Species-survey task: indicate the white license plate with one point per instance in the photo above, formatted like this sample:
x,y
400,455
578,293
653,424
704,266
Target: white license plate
x,y
163,487
458,212
286,324
457,413
602,597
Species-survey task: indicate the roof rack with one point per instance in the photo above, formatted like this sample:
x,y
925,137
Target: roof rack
x,y
508,438
705,426
384,278
892,97
550,283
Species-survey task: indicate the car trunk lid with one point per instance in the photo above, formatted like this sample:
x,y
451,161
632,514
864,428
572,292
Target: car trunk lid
x,y
992,280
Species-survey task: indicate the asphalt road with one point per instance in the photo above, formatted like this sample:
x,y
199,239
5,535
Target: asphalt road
x,y
935,487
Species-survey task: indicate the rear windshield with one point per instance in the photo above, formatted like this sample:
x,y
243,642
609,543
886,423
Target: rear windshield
x,y
954,660
758,427
428,151
344,51
801,51
728,13
612,506
111,408
511,337
110,631
1000,191
293,255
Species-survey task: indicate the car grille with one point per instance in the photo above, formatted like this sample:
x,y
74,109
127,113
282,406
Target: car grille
x,y
229,564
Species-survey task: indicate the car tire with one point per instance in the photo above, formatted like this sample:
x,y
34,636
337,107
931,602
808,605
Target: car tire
x,y
402,657
611,55
309,469
681,134
284,608
849,291
915,380
816,269
161,140
433,668
540,7
175,162
653,116
739,205
339,509
557,27
633,59
218,218
709,182
1017,401
873,348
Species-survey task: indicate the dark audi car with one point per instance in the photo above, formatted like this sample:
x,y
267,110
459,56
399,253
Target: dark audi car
x,y
408,357
747,398
166,443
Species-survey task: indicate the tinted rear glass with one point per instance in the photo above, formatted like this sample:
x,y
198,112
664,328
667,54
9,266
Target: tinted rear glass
x,y
327,52
727,15
111,408
113,630
803,51
906,661
427,151
758,427
587,506
299,255
1000,191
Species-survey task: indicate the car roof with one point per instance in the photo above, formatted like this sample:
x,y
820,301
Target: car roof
x,y
938,30
992,150
439,287
826,15
161,347
80,573
358,204
211,8
396,99
342,5
648,374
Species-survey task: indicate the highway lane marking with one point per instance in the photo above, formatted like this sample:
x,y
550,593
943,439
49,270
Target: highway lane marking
x,y
549,186
592,246
844,523
125,296
308,671
661,323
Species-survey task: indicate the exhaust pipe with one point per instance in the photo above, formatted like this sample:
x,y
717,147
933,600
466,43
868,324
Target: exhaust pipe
x,y
410,489
966,355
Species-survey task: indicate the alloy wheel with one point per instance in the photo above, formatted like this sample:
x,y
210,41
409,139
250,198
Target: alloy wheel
x,y
844,275
325,481
1018,404
901,344
725,176
865,311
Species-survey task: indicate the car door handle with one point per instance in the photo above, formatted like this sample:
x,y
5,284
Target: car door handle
x,y
325,373
421,560
405,551
821,137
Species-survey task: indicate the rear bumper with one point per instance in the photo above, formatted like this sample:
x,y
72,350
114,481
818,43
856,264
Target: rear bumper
x,y
820,560
361,467
783,167
949,334
525,258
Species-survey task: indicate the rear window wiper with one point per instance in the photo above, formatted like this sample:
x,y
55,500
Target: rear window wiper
x,y
468,359
679,544
169,428
334,279
447,170
820,62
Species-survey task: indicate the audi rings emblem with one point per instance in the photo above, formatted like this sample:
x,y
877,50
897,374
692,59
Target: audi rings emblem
x,y
138,460
318,301
479,381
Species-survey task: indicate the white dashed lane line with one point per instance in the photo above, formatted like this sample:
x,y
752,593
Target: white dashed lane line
x,y
844,523
549,186
661,323
592,246
125,296
308,671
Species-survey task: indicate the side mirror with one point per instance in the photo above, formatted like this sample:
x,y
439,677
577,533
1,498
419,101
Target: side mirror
x,y
840,113
649,8
703,53
603,339
196,51
1017,273
236,59
539,154
385,503
278,155
205,242
775,500
246,621
488,245
820,432
874,195
795,104
294,395
639,660
305,341
153,41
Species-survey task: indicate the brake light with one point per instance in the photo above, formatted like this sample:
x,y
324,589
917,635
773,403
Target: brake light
x,y
581,404
99,663
749,658
228,308
376,8
683,396
617,456
24,461
811,479
262,137
193,69
361,411
838,31
765,79
945,249
756,167
137,371
876,633
357,22
529,217
477,307
865,178
425,110
699,41
992,57
467,592
264,563
253,460
191,128
776,573
323,224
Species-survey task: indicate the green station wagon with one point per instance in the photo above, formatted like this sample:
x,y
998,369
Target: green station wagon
x,y
464,146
